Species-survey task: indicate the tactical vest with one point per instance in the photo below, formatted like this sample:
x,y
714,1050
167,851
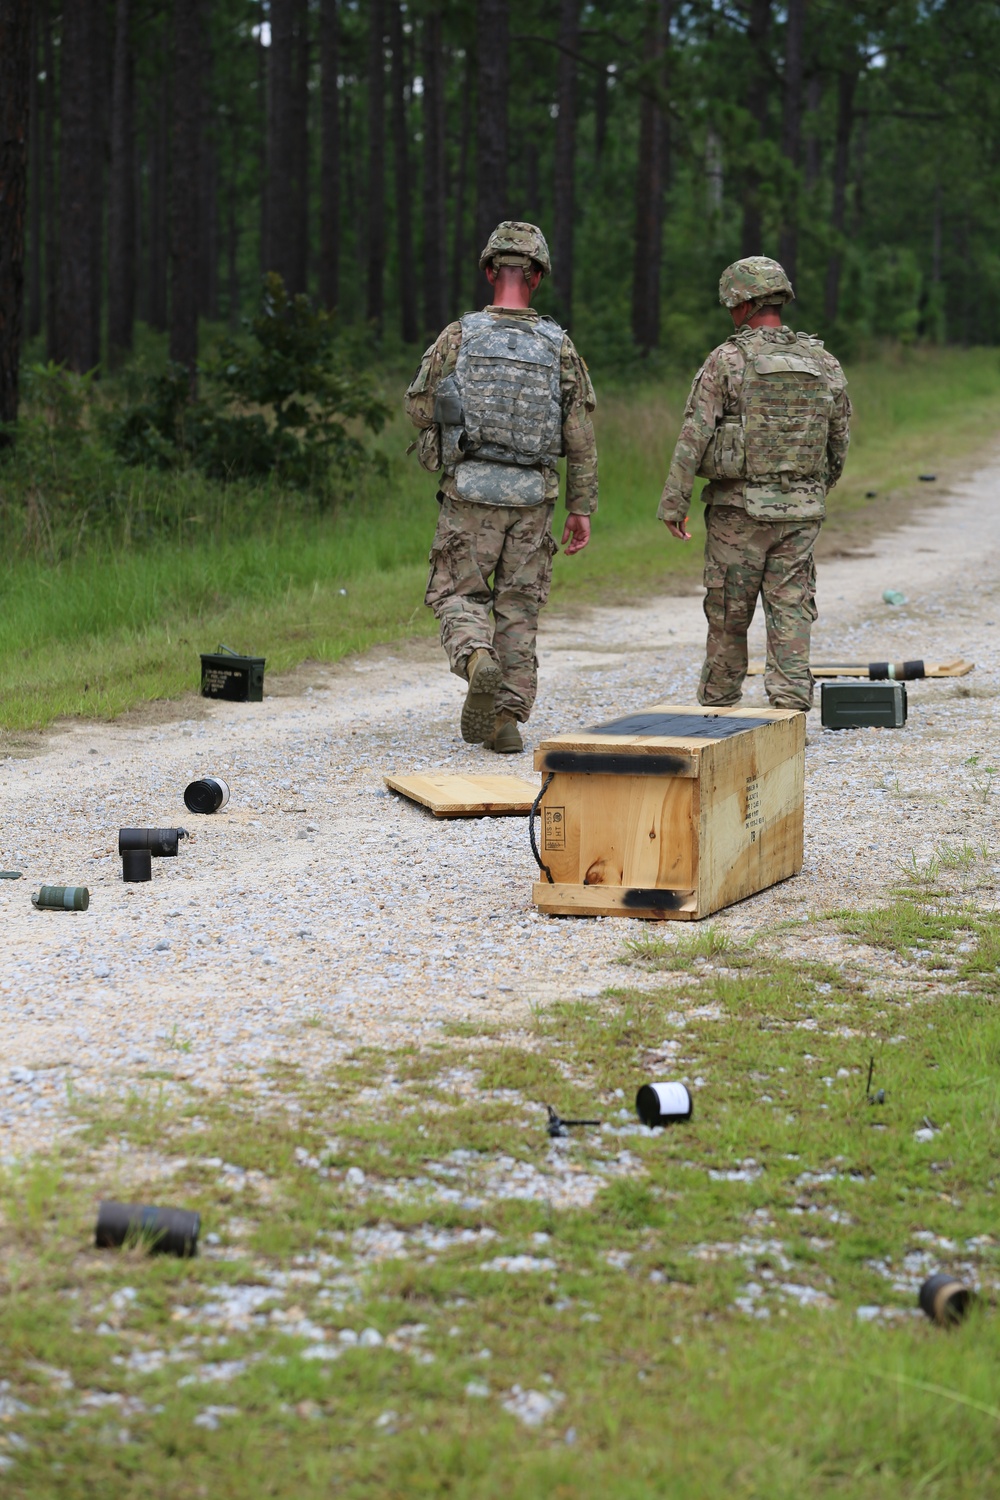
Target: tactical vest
x,y
776,442
500,413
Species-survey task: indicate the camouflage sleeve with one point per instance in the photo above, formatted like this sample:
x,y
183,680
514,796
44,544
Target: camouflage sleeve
x,y
579,443
839,436
438,361
702,414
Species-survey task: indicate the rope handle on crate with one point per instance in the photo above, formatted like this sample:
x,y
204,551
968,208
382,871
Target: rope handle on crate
x,y
531,828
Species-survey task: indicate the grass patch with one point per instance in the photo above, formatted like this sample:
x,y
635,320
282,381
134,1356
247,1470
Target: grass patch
x,y
418,1293
706,943
111,611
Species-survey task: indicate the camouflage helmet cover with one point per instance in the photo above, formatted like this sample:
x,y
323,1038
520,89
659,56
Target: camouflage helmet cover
x,y
513,243
757,279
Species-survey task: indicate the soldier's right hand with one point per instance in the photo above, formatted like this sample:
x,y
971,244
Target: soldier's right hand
x,y
678,529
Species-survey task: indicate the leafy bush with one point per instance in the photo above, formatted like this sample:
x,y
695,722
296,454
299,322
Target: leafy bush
x,y
280,402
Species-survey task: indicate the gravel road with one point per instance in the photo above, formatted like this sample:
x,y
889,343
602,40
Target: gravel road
x,y
320,910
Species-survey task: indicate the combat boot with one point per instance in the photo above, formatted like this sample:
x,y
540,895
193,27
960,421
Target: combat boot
x,y
506,738
479,709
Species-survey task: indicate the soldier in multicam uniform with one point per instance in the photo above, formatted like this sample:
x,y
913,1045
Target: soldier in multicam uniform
x,y
499,397
767,424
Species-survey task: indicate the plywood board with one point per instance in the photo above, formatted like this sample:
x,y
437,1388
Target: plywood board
x,y
955,668
449,794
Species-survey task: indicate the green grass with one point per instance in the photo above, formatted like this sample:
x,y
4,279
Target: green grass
x,y
106,605
694,1326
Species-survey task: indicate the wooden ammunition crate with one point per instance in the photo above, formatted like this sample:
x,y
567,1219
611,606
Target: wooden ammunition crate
x,y
672,812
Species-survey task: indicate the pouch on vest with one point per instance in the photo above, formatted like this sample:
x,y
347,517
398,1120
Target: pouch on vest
x,y
499,484
786,406
429,449
450,420
724,458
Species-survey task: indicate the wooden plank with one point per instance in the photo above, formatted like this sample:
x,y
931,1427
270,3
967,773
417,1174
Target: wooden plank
x,y
606,901
958,667
449,794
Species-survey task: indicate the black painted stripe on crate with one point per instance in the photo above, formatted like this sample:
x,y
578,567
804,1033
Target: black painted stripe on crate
x,y
615,763
680,726
654,900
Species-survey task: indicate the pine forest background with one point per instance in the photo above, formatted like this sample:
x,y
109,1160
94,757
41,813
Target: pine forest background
x,y
176,151
229,227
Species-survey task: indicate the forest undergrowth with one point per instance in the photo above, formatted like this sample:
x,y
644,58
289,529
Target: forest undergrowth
x,y
116,574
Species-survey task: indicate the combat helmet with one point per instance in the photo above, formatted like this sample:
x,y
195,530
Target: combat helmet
x,y
513,243
757,279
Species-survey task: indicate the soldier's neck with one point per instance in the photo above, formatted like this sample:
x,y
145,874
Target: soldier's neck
x,y
513,297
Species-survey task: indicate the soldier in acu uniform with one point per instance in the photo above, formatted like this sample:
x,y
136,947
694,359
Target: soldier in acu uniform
x,y
767,424
499,397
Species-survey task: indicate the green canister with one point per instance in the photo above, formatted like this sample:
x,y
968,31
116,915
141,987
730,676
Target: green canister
x,y
62,898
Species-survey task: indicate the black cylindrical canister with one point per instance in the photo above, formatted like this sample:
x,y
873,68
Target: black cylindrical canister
x,y
663,1103
137,864
209,795
63,897
944,1299
165,1231
161,842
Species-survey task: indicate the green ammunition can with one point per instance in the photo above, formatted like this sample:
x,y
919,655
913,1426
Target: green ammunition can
x,y
62,898
863,705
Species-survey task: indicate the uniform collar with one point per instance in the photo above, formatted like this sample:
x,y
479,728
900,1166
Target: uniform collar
x,y
512,312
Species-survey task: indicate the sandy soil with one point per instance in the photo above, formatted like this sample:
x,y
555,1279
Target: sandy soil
x,y
319,910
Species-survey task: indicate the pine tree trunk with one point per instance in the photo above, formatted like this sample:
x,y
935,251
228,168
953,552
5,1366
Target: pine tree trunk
x,y
409,325
651,178
564,198
329,192
299,118
756,103
233,229
100,138
791,134
74,343
49,186
35,182
492,102
264,118
15,65
281,176
376,163
157,248
846,84
814,150
462,175
185,176
602,101
121,185
434,172
208,273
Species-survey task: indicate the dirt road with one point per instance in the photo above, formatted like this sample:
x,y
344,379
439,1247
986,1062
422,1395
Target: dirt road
x,y
319,910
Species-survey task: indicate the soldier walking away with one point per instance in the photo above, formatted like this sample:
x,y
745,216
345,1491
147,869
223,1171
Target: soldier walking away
x,y
767,424
499,397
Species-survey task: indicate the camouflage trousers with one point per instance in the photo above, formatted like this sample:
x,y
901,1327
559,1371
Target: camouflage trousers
x,y
514,545
745,558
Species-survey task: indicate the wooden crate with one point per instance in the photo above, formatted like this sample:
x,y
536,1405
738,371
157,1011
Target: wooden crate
x,y
674,812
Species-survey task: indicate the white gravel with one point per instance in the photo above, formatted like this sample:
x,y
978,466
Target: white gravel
x,y
319,897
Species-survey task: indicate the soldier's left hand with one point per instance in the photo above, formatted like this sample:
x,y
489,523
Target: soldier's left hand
x,y
678,529
576,534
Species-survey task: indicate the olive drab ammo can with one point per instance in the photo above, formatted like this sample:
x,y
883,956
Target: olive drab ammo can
x,y
863,705
227,674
